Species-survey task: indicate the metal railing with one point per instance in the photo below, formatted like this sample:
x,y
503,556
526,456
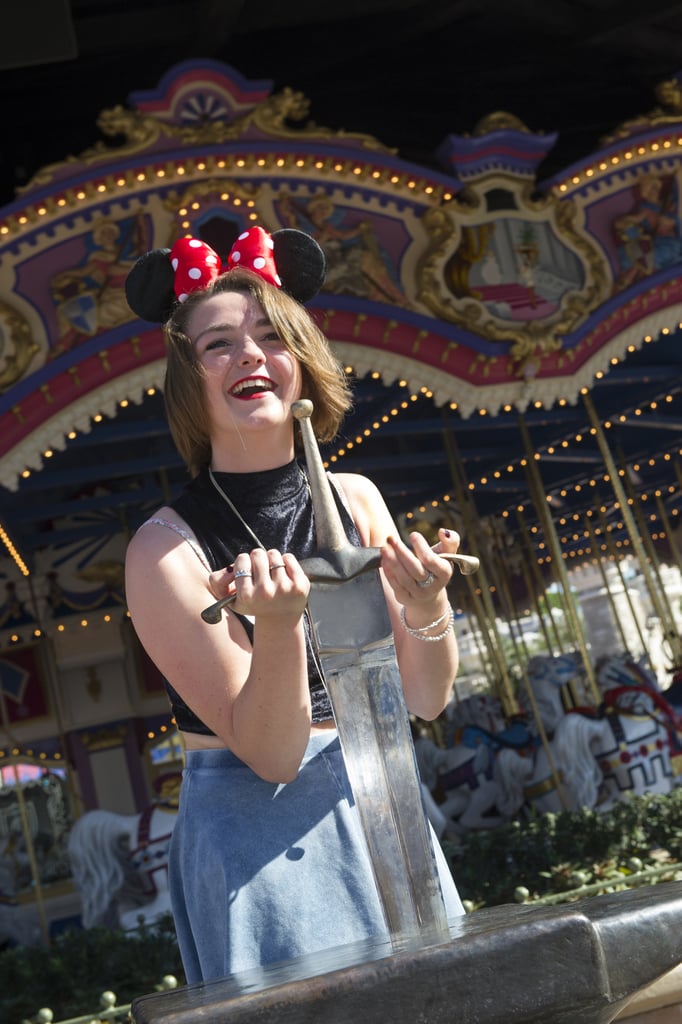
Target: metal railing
x,y
108,1012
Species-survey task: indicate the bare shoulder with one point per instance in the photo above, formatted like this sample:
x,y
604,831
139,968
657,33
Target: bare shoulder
x,y
163,542
164,527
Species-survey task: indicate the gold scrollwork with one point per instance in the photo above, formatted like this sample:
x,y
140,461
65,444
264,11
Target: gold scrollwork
x,y
104,738
17,346
244,191
669,95
140,131
457,242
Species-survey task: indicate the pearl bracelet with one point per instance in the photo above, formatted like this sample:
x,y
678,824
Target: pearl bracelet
x,y
421,630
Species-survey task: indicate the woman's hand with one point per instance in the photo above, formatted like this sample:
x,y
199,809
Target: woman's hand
x,y
418,575
264,583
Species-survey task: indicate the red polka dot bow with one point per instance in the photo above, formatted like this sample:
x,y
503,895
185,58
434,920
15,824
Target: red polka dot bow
x,y
196,265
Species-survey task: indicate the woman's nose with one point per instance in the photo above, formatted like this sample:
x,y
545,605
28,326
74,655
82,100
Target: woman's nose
x,y
251,352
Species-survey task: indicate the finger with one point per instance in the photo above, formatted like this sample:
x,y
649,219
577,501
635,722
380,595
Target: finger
x,y
449,540
296,574
277,565
412,571
260,567
220,582
435,571
243,571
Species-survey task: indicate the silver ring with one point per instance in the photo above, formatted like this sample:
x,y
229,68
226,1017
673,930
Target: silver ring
x,y
426,582
242,572
280,565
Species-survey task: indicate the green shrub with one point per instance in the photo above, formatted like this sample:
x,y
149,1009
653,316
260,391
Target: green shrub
x,y
71,974
553,853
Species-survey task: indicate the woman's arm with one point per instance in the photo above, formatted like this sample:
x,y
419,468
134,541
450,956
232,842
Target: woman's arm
x,y
427,667
256,699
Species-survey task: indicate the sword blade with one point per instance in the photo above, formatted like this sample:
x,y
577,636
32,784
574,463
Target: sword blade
x,y
354,642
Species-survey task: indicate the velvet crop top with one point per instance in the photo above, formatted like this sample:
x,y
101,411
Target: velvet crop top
x,y
278,507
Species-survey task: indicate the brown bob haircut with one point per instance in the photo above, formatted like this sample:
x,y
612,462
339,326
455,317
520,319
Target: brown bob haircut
x,y
323,378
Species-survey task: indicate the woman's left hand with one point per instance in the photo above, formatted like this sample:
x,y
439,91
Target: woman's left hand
x,y
418,575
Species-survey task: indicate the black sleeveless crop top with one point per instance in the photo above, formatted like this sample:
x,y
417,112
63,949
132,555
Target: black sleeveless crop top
x,y
278,508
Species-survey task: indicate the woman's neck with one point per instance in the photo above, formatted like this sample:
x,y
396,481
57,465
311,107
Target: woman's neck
x,y
255,455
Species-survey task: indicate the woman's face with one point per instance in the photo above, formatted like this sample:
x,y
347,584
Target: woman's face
x,y
251,377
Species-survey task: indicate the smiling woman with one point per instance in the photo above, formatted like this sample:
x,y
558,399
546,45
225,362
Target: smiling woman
x,y
250,376
266,807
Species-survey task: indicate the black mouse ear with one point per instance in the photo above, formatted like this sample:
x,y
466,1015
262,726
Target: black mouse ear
x,y
149,287
301,263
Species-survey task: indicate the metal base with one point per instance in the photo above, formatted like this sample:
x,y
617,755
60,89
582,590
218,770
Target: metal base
x,y
577,964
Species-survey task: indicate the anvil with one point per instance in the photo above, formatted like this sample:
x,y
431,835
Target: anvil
x,y
576,964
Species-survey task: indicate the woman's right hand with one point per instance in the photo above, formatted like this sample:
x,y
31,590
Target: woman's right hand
x,y
264,582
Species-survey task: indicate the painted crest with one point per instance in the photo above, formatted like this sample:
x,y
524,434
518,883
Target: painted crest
x,y
502,262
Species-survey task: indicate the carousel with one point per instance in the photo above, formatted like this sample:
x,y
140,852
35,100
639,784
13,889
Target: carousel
x,y
514,348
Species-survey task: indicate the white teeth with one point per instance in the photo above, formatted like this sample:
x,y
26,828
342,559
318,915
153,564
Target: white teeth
x,y
253,383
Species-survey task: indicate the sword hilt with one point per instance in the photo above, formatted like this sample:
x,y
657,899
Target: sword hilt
x,y
329,530
337,560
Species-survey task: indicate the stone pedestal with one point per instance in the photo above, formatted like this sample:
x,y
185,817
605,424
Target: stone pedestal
x,y
577,964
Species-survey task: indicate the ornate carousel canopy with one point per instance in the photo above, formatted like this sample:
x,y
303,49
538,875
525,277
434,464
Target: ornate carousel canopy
x,y
513,338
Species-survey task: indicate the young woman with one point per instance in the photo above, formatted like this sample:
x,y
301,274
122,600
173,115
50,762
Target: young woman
x,y
267,858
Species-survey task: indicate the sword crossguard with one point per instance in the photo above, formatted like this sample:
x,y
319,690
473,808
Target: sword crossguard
x,y
337,559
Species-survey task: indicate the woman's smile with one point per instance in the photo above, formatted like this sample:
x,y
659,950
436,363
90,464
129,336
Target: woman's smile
x,y
252,387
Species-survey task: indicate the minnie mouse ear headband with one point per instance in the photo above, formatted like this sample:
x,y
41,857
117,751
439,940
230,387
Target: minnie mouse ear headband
x,y
289,259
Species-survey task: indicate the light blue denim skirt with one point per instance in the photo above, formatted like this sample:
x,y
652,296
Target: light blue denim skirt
x,y
261,873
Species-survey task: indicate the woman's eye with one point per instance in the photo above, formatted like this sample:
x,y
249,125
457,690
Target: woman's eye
x,y
217,343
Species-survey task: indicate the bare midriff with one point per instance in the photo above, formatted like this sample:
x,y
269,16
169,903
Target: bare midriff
x,y
196,741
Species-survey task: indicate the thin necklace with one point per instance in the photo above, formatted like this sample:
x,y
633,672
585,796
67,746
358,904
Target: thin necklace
x,y
235,510
306,613
241,519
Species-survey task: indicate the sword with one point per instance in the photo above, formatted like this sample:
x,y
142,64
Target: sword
x,y
352,634
354,641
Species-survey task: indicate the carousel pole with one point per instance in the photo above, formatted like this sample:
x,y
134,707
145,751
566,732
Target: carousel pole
x,y
544,739
625,509
665,519
484,644
481,638
505,588
49,663
539,582
616,557
536,605
26,829
465,505
605,581
676,650
536,487
501,583
645,534
492,641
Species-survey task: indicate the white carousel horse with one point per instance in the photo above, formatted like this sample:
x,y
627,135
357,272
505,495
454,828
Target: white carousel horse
x,y
630,745
462,774
531,777
120,866
479,709
633,686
